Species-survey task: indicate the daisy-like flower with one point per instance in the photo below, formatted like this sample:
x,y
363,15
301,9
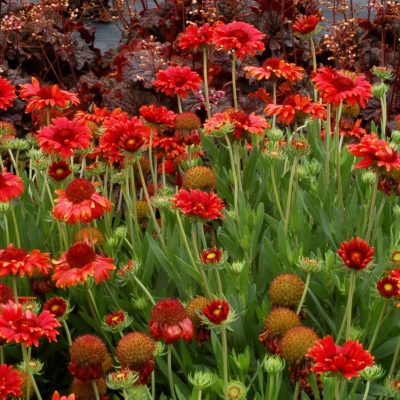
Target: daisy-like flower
x,y
296,106
56,396
7,94
240,122
347,360
157,117
244,39
170,322
99,114
217,311
10,382
196,37
15,261
349,128
199,204
122,136
306,26
276,68
117,321
64,136
337,86
212,255
388,286
40,97
59,170
18,326
11,186
57,306
357,253
79,202
79,263
177,81
375,152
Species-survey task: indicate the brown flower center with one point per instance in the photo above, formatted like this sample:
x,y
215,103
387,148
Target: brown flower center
x,y
356,256
79,255
79,190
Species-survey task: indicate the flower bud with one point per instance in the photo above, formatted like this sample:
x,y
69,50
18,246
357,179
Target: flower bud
x,y
274,134
236,391
379,90
356,333
202,379
396,210
310,265
35,365
396,137
122,379
368,177
163,198
236,267
383,73
4,207
138,392
372,373
274,364
313,167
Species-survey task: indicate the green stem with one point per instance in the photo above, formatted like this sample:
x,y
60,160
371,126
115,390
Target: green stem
x,y
384,116
153,385
377,327
327,144
224,340
368,385
170,379
234,176
337,389
337,146
290,192
199,395
372,210
296,391
274,101
152,171
395,356
14,218
93,302
1,354
15,289
125,395
236,154
67,332
348,311
205,81
6,229
271,387
144,289
95,390
29,371
235,100
303,297
275,192
178,99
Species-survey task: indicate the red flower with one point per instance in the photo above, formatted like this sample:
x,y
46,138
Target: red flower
x,y
388,286
79,202
306,25
357,253
170,322
347,360
338,86
59,170
217,311
196,203
244,39
242,122
10,382
6,294
157,117
46,96
14,261
177,81
7,94
196,37
349,128
11,186
375,152
56,305
99,114
121,136
115,318
79,263
56,396
211,256
276,68
18,326
64,136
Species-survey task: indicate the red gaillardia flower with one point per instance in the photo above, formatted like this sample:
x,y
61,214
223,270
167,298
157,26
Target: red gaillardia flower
x,y
306,26
15,261
196,203
389,286
357,253
336,86
56,305
7,94
157,117
88,353
79,263
56,396
40,97
99,114
64,136
18,326
177,81
122,136
217,311
347,360
211,256
59,170
375,152
170,322
11,186
276,68
115,318
79,202
244,39
196,37
10,382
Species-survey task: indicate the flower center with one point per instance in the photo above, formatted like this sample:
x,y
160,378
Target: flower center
x,y
54,308
59,171
130,143
239,117
45,92
79,190
356,256
240,35
79,255
343,83
388,287
272,63
12,254
396,257
211,256
24,324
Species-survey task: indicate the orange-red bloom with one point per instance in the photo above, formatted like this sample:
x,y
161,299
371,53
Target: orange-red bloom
x,y
64,136
170,322
7,94
56,396
10,382
244,39
122,136
337,86
56,305
59,170
11,186
375,152
276,68
217,311
99,114
196,203
212,255
79,263
388,286
196,37
40,97
157,117
357,253
304,26
80,202
347,360
177,81
18,326
14,261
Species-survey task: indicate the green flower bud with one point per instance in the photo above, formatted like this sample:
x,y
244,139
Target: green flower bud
x,y
396,137
356,333
372,373
379,90
274,134
122,379
396,210
35,154
35,365
163,198
383,73
138,392
301,172
368,177
19,144
274,364
236,391
120,232
313,167
310,265
4,207
159,349
236,267
202,379
140,303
